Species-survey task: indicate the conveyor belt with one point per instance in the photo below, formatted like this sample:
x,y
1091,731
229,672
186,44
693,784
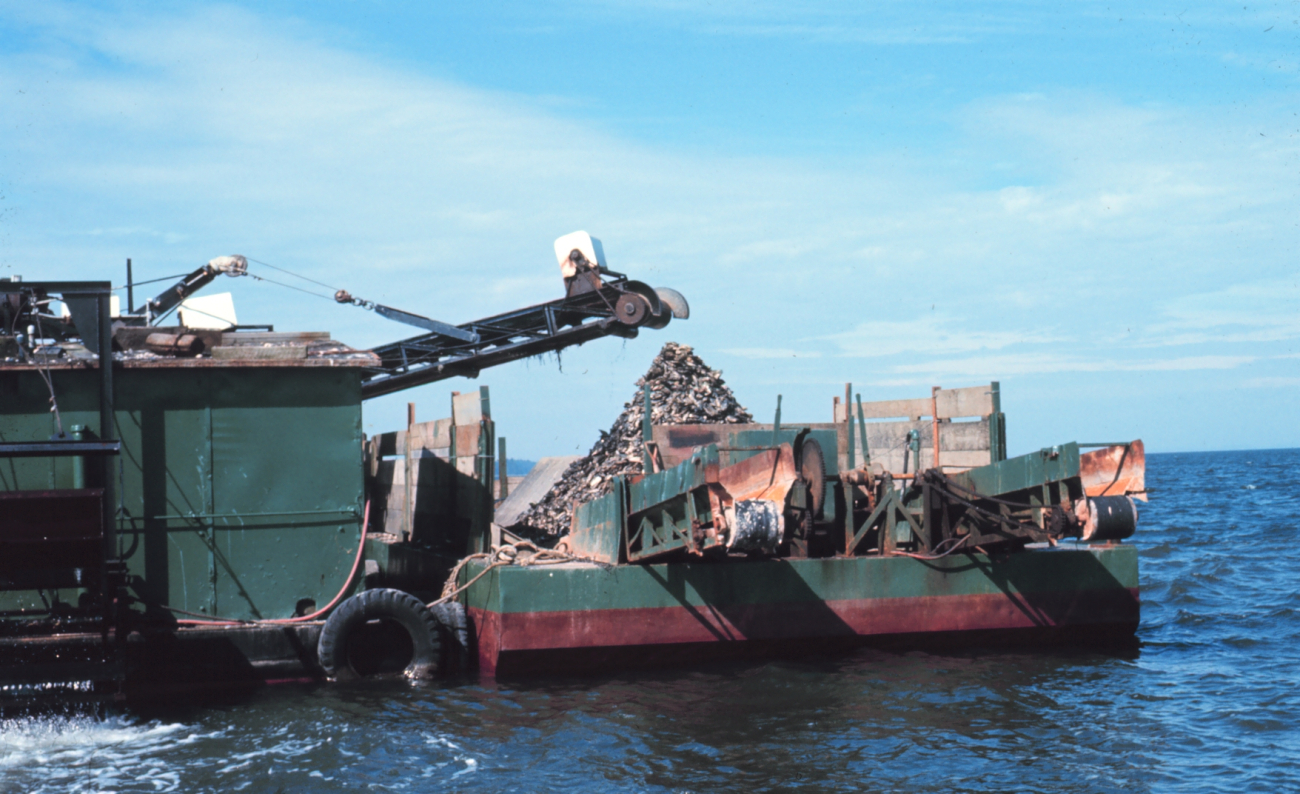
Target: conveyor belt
x,y
543,328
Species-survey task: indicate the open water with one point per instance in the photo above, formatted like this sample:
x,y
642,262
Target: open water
x,y
1208,702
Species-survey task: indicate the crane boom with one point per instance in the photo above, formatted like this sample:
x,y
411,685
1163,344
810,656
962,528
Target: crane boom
x,y
617,307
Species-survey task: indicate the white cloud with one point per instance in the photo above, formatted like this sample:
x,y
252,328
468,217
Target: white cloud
x,y
770,352
1054,232
994,367
928,336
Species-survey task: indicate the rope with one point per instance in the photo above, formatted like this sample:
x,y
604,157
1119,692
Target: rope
x,y
44,371
522,554
946,486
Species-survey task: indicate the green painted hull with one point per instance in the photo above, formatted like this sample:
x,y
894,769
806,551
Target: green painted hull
x,y
241,487
580,616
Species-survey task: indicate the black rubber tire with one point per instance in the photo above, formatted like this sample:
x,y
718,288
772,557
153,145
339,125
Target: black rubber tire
x,y
456,640
401,608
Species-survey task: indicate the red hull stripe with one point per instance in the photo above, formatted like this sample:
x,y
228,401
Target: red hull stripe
x,y
503,634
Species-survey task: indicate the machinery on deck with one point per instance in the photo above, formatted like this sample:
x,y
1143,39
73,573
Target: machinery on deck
x,y
766,490
127,491
598,302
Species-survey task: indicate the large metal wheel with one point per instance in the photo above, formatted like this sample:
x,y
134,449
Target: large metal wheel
x,y
631,308
812,470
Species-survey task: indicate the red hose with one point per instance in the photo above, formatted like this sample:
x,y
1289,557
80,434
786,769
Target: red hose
x,y
361,550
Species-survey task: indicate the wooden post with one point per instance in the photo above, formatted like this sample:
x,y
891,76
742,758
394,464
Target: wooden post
x,y
934,419
848,421
501,468
408,504
862,428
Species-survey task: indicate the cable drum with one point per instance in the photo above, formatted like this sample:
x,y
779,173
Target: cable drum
x,y
1110,518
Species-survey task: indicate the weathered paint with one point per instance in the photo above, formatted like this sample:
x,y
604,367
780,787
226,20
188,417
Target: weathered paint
x,y
1025,471
1116,470
242,486
578,613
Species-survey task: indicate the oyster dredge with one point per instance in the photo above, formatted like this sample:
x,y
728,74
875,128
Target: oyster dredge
x,y
190,515
206,512
895,523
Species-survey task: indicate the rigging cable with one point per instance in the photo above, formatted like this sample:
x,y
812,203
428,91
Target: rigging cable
x,y
44,371
291,273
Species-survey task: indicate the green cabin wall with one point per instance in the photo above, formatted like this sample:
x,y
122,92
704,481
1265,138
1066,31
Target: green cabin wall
x,y
207,454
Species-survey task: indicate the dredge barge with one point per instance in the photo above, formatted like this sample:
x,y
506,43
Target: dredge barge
x,y
207,512
759,540
191,514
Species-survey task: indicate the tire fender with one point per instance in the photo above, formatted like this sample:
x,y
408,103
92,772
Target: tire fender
x,y
456,638
402,608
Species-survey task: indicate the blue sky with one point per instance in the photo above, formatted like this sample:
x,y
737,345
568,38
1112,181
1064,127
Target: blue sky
x,y
1094,204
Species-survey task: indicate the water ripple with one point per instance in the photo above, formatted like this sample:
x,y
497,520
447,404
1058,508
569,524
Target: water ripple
x,y
1208,703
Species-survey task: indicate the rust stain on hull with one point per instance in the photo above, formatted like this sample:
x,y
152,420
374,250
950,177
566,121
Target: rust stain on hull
x,y
1119,470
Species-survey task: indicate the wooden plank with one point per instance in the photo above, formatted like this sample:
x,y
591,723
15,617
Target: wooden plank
x,y
431,435
388,499
890,409
467,409
971,401
676,441
963,460
952,403
240,353
545,473
838,413
233,338
965,437
467,440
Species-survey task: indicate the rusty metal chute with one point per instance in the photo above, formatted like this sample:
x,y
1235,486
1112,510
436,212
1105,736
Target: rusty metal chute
x,y
1115,470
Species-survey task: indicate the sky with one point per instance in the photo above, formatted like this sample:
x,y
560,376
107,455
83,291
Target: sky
x,y
1095,204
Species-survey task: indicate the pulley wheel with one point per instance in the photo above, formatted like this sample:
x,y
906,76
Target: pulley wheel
x,y
631,309
812,470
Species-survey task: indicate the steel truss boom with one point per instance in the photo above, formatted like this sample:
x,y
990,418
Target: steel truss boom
x,y
503,338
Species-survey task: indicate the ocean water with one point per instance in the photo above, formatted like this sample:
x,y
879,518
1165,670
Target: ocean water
x,y
1208,702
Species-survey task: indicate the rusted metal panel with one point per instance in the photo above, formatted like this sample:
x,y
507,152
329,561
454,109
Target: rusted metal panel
x,y
597,529
175,344
1118,470
676,442
1052,464
655,489
766,475
961,444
